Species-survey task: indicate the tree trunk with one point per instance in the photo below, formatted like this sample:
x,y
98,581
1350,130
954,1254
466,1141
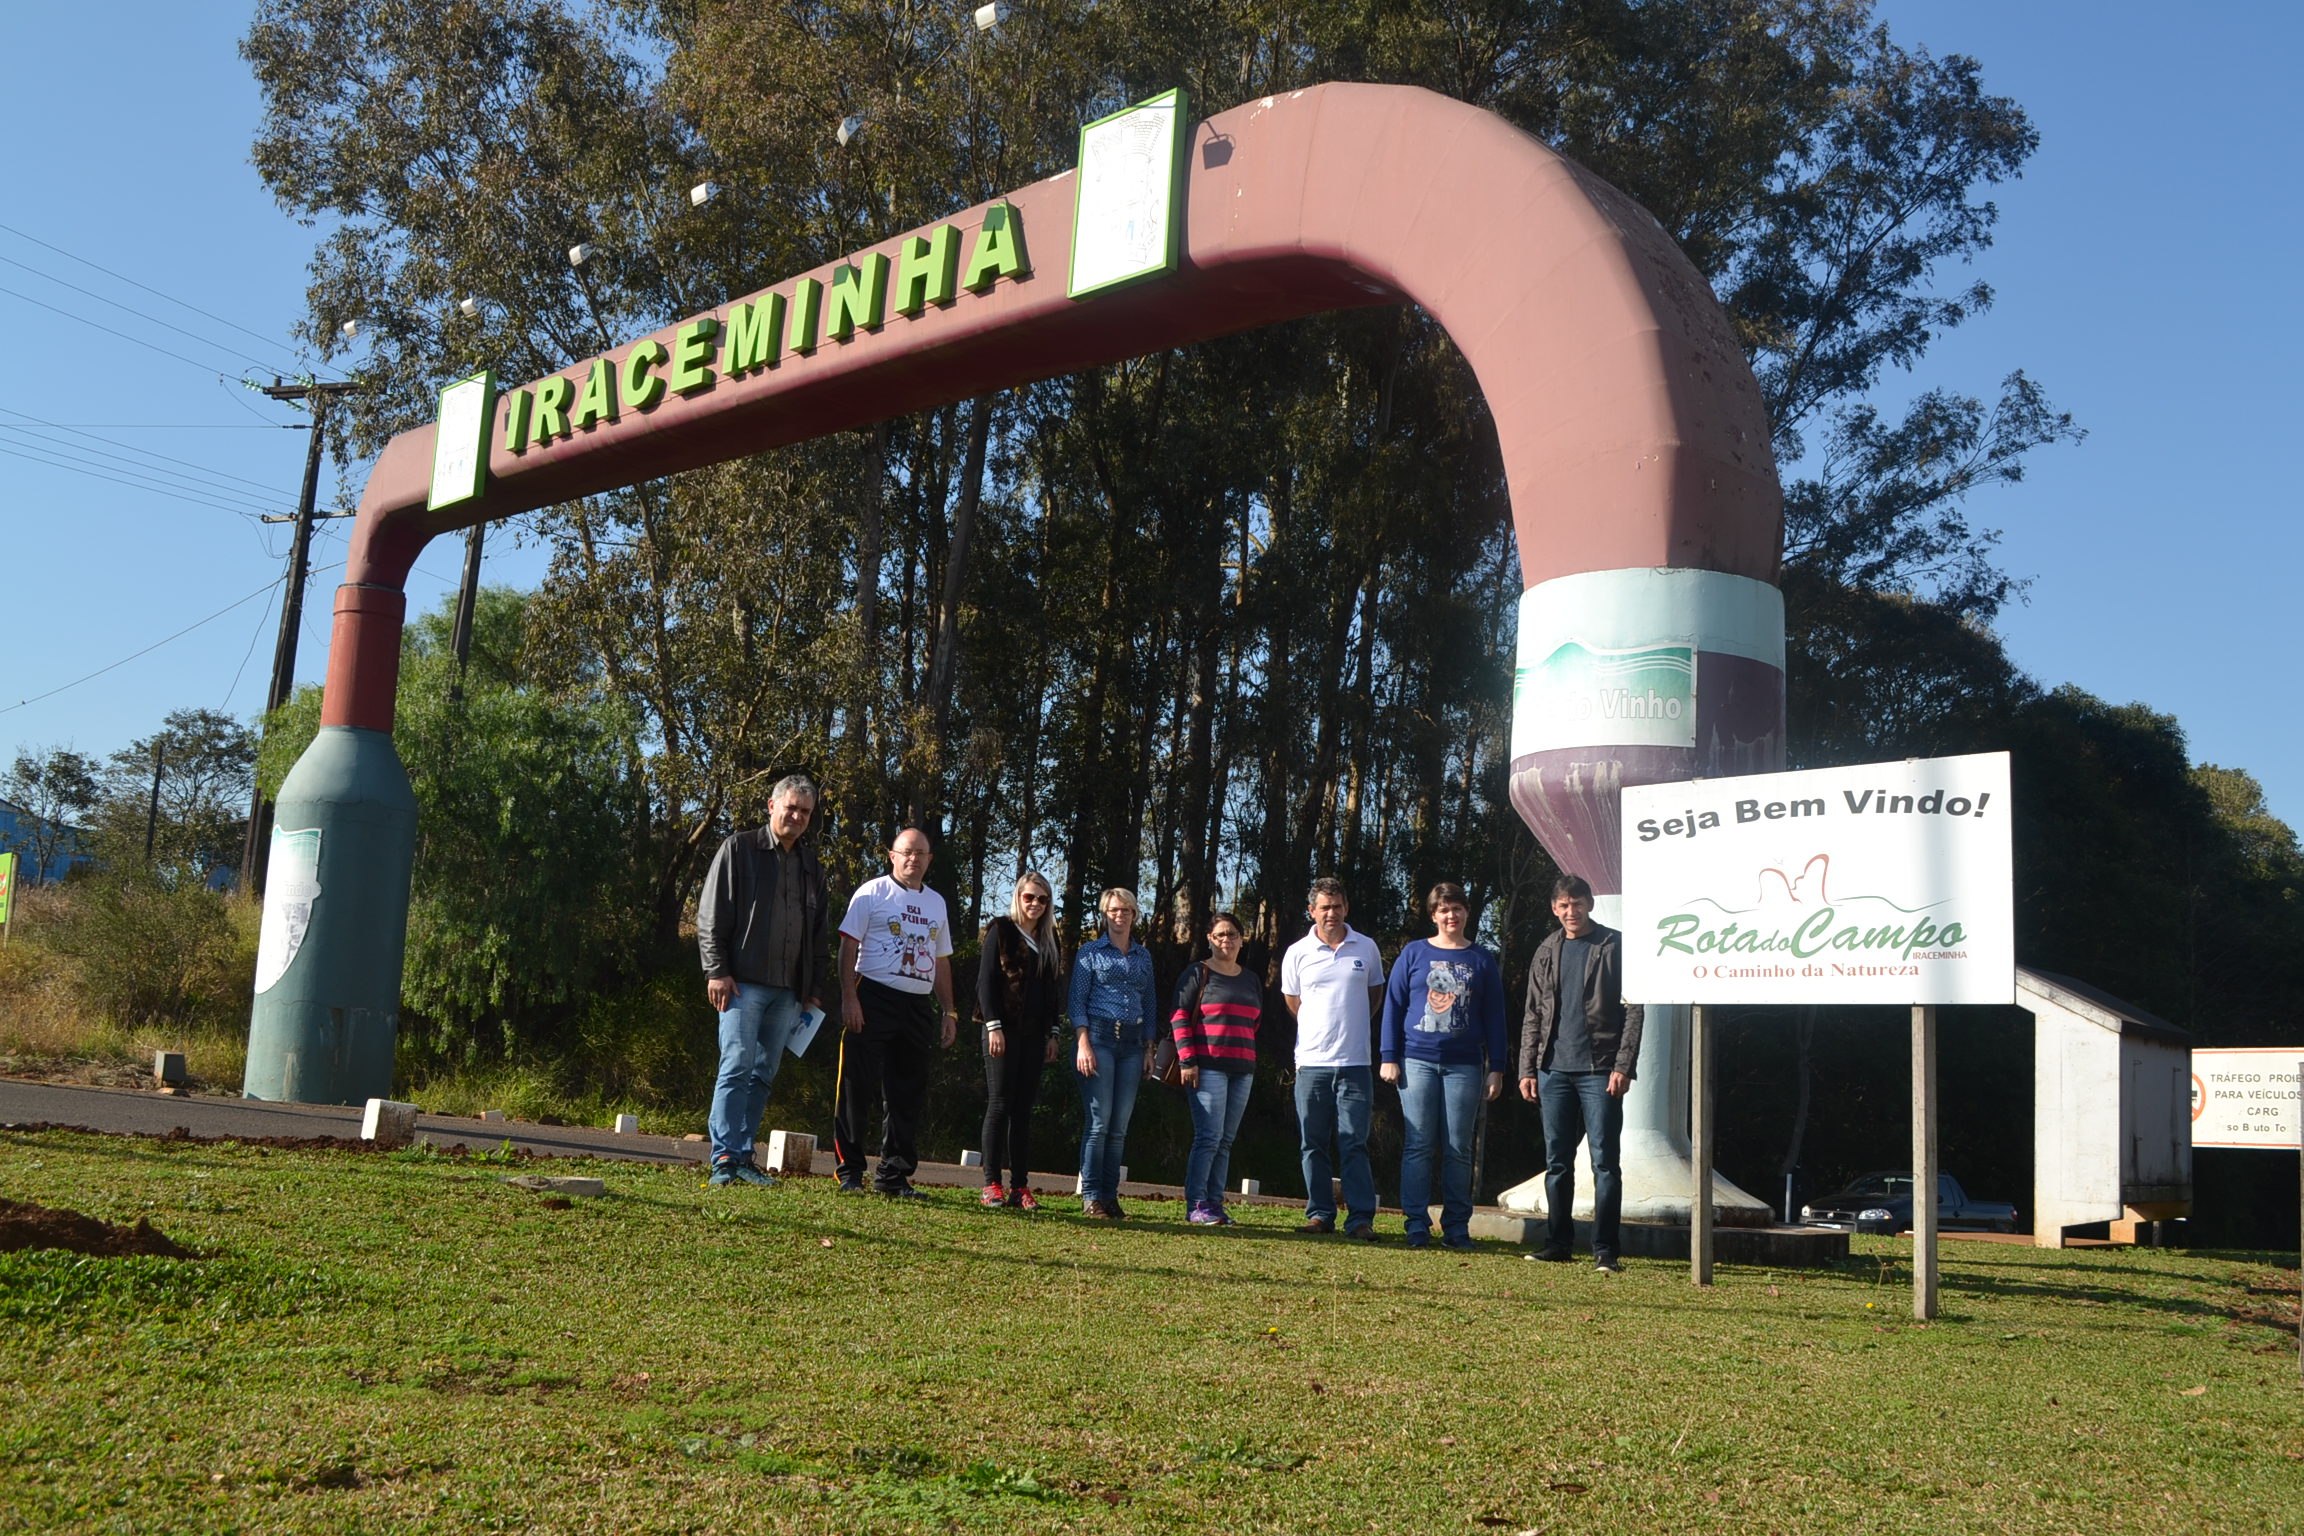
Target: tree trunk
x,y
1803,1077
1192,859
942,670
864,701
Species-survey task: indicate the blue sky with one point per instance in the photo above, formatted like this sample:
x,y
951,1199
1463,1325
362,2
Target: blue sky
x,y
2143,269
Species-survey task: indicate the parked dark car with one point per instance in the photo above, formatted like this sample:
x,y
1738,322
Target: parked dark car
x,y
1882,1202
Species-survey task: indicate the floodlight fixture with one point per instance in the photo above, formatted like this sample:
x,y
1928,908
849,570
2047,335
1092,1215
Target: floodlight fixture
x,y
579,254
850,126
469,308
350,328
702,193
990,16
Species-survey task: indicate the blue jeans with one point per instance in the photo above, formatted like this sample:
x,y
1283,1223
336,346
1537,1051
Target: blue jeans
x,y
753,1035
1333,1105
1441,1101
1217,1105
1584,1098
1106,1102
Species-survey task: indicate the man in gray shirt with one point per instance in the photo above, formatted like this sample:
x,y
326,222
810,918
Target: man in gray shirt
x,y
1579,1044
760,931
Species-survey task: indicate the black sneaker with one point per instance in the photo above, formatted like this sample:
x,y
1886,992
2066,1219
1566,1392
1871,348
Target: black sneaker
x,y
851,1186
905,1192
1606,1264
1554,1255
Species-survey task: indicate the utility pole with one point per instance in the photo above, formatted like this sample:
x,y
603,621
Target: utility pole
x,y
317,395
152,816
467,597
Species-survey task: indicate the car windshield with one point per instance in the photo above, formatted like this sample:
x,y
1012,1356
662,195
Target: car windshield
x,y
1882,1185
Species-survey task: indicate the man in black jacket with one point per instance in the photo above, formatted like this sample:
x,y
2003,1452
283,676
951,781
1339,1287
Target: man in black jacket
x,y
760,929
1579,1045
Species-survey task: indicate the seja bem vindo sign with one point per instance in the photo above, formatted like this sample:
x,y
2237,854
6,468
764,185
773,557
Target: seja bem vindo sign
x,y
1885,883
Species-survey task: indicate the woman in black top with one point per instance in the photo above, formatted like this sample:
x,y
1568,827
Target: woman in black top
x,y
1018,986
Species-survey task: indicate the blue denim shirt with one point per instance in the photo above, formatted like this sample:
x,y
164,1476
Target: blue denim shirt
x,y
1110,988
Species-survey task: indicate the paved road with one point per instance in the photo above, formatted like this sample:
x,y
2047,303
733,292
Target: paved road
x,y
132,1111
129,1111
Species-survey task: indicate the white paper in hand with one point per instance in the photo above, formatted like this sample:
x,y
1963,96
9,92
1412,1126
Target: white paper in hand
x,y
804,1031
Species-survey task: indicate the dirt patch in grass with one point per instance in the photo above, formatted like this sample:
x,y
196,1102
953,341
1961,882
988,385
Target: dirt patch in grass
x,y
276,1143
77,1071
24,1225
179,1133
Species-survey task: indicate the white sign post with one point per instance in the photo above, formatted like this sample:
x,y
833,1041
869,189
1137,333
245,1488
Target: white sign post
x,y
1884,883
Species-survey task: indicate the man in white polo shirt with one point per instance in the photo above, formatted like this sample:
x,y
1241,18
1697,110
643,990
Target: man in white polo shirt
x,y
895,991
1333,979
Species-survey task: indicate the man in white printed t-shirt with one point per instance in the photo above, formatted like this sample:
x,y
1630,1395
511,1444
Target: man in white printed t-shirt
x,y
895,990
1333,981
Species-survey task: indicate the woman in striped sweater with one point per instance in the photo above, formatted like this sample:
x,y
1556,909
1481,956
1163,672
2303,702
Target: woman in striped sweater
x,y
1218,1005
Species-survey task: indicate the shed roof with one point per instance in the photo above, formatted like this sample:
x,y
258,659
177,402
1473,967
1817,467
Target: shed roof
x,y
2099,1008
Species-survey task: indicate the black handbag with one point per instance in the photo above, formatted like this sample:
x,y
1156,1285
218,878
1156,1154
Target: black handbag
x,y
1165,1066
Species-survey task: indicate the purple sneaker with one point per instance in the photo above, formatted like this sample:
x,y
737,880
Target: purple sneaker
x,y
1205,1215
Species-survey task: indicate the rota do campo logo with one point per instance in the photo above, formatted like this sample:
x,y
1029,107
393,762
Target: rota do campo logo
x,y
1796,915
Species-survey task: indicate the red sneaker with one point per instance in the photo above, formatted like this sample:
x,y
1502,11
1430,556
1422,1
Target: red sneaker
x,y
993,1195
1023,1199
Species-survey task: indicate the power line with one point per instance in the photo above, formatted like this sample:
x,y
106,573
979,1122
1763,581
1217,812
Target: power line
x,y
113,331
139,314
184,490
213,474
148,650
148,288
141,476
240,400
240,670
180,426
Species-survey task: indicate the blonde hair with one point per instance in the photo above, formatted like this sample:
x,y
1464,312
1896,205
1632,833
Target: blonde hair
x,y
1125,897
1041,930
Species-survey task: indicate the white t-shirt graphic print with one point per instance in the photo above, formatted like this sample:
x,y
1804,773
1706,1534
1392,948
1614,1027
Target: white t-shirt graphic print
x,y
900,934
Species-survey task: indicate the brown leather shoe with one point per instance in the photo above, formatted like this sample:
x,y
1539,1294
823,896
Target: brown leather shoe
x,y
1323,1225
1112,1209
1099,1210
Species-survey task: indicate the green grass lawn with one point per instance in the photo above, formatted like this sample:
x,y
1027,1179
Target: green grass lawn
x,y
384,1342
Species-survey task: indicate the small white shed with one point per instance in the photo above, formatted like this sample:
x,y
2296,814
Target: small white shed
x,y
2111,1111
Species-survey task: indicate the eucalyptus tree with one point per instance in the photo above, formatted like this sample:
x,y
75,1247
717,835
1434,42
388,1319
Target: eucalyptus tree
x,y
1210,621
